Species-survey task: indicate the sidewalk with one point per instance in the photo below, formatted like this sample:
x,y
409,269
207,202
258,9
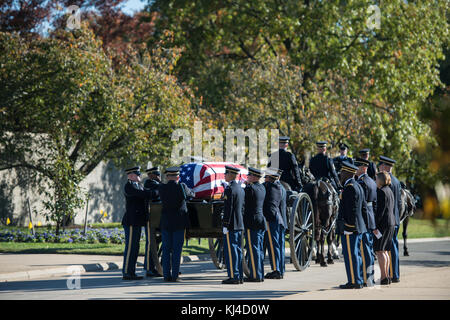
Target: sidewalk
x,y
16,267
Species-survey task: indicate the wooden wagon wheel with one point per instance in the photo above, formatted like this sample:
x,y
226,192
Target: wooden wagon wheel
x,y
301,231
218,258
216,252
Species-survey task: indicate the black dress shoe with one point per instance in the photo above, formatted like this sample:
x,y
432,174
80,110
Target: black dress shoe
x,y
169,279
231,281
132,277
347,286
384,281
358,286
176,280
274,275
395,280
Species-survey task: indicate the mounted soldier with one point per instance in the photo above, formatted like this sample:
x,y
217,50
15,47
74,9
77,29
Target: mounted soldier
x,y
288,163
321,166
343,149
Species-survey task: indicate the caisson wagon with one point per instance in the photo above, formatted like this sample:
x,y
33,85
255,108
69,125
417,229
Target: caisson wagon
x,y
206,212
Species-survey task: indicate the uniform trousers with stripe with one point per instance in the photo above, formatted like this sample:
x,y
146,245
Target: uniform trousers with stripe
x,y
394,267
149,266
351,250
282,249
233,254
131,252
367,257
172,245
274,245
255,250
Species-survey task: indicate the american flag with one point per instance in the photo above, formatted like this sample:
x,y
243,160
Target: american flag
x,y
206,178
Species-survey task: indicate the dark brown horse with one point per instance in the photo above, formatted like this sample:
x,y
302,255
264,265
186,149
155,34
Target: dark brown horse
x,y
325,206
407,210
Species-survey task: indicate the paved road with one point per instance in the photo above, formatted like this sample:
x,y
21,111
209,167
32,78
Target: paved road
x,y
425,275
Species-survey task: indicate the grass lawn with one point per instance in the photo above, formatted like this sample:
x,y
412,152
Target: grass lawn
x,y
417,229
92,248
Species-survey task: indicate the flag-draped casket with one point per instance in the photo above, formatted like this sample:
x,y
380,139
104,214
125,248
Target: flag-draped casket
x,y
206,178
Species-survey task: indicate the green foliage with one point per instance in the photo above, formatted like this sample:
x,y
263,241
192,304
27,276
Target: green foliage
x,y
314,69
65,108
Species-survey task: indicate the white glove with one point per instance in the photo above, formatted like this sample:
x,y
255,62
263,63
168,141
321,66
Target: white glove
x,y
347,232
225,230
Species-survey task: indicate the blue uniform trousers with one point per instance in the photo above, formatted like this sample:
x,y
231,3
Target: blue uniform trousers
x,y
255,247
131,252
274,245
367,256
149,266
172,245
233,254
352,257
282,249
394,268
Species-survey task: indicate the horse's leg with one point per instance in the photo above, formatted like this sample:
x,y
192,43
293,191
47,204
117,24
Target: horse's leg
x,y
322,250
405,236
318,245
330,240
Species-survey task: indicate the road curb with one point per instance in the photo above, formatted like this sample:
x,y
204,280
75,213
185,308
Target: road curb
x,y
80,268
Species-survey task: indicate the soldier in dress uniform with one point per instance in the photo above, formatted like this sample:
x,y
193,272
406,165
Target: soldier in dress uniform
x,y
174,221
386,164
372,169
134,219
286,161
283,210
343,149
152,183
274,222
255,224
323,167
233,225
351,226
370,192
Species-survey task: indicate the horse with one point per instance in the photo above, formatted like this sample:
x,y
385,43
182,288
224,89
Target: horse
x,y
407,209
325,206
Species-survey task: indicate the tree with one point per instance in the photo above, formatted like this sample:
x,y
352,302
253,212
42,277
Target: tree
x,y
377,76
64,109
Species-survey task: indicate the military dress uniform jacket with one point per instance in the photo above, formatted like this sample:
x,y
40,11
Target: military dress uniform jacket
x,y
372,170
136,199
283,204
150,184
174,213
291,172
253,209
397,191
323,167
338,162
370,193
234,197
384,216
272,203
350,217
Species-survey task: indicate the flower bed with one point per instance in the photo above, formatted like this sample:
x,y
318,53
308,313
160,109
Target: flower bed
x,y
95,235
